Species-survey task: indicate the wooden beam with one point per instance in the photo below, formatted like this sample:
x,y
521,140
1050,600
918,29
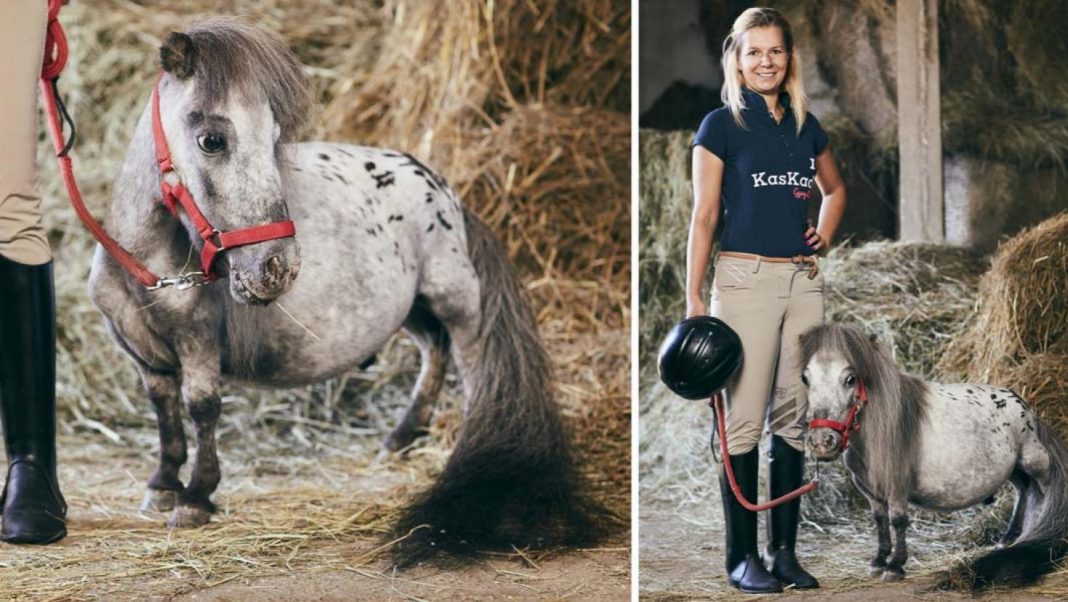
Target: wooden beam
x,y
920,207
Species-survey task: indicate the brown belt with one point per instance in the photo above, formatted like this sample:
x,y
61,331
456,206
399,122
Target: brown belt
x,y
809,260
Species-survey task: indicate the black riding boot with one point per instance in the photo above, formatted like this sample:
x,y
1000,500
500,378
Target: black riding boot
x,y
786,469
33,507
745,570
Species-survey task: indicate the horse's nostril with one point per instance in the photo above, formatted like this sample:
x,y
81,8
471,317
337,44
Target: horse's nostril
x,y
275,267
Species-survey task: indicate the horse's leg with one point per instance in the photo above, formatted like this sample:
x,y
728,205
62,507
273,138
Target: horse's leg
x,y
433,341
882,529
899,520
452,291
164,486
882,534
200,391
1020,481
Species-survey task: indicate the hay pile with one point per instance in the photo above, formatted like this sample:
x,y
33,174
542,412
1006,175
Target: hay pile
x,y
1019,329
524,107
914,297
663,219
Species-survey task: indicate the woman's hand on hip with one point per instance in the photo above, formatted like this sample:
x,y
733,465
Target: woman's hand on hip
x,y
813,239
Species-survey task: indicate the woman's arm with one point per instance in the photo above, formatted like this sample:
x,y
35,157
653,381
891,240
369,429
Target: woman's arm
x,y
707,183
834,200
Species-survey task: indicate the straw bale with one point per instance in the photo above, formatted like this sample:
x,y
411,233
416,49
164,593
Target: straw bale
x,y
452,65
663,221
552,181
1018,335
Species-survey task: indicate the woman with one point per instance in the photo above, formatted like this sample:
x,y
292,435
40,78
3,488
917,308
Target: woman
x,y
754,162
33,507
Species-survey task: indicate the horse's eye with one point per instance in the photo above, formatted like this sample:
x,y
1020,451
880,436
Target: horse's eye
x,y
851,380
804,380
212,144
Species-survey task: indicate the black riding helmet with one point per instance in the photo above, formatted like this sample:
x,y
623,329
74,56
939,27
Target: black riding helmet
x,y
698,356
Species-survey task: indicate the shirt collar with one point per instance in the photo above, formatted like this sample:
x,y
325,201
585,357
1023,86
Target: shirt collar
x,y
756,103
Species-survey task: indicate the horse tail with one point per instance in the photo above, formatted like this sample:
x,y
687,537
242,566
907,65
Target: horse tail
x,y
1042,543
511,480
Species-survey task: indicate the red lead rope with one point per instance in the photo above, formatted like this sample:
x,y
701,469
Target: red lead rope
x,y
174,192
55,56
55,59
721,425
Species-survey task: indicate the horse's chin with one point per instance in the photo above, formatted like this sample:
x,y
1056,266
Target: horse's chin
x,y
243,293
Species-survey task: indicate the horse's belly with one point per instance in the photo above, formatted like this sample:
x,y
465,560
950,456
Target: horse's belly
x,y
954,490
965,456
349,298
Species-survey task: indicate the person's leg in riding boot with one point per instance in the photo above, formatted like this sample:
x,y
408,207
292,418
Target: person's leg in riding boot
x,y
33,508
747,295
786,470
787,423
745,570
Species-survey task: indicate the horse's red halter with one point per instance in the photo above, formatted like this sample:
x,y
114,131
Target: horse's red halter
x,y
851,423
175,193
55,58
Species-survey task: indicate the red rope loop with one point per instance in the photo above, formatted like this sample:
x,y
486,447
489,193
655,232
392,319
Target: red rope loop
x,y
56,51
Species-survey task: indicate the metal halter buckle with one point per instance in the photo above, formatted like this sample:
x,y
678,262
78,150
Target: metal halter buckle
x,y
181,282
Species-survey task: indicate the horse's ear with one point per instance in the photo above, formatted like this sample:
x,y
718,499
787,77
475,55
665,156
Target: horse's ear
x,y
177,55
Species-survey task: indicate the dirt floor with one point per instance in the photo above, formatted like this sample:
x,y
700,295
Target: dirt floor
x,y
681,558
585,575
302,526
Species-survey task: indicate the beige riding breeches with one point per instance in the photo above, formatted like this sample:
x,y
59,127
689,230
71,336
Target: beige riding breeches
x,y
769,305
22,236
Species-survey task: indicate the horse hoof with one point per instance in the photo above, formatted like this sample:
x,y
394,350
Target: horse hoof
x,y
876,571
159,500
892,575
400,438
188,517
393,442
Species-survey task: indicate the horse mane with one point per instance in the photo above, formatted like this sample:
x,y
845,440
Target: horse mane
x,y
897,405
232,52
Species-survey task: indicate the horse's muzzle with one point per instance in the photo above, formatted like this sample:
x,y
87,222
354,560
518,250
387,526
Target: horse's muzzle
x,y
261,275
824,444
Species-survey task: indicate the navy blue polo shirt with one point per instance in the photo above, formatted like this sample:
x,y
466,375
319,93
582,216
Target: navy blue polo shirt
x,y
769,173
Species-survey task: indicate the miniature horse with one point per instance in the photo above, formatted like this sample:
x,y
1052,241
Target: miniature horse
x,y
942,447
382,244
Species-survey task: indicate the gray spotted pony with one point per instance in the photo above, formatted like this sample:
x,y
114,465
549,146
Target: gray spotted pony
x,y
940,446
382,244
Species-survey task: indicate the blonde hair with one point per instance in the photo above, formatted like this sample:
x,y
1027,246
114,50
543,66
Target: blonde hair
x,y
733,81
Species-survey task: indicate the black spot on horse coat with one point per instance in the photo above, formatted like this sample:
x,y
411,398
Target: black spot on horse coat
x,y
444,222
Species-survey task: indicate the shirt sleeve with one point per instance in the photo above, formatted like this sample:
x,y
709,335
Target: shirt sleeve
x,y
819,137
712,134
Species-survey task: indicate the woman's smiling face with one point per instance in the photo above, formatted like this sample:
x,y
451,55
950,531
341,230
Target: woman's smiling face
x,y
764,59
